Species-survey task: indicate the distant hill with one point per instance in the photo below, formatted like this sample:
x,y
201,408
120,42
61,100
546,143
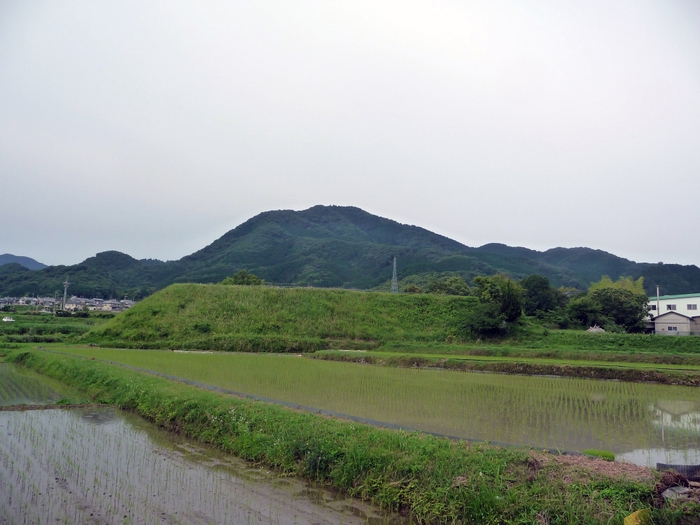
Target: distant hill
x,y
334,246
27,262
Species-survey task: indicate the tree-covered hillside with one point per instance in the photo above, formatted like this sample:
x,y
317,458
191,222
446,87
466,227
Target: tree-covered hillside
x,y
334,246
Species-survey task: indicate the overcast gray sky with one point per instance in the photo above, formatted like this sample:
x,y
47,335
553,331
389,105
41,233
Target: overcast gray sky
x,y
153,127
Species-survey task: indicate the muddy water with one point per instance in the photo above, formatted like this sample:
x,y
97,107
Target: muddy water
x,y
104,466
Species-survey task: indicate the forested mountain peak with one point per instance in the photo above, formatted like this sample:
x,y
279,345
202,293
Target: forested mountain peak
x,y
338,246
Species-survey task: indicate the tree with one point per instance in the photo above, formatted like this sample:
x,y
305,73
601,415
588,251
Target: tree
x,y
485,319
412,288
539,295
585,311
623,307
612,307
244,278
511,300
623,283
449,286
504,292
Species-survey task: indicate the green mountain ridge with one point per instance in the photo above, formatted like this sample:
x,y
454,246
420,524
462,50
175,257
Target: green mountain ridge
x,y
336,246
27,262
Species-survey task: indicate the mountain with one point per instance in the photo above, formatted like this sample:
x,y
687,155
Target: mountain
x,y
27,262
334,246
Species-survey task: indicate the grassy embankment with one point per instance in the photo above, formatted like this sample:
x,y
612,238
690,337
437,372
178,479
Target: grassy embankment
x,y
240,318
435,480
670,374
408,330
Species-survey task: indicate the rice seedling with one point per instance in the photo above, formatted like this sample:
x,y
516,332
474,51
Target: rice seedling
x,y
604,454
56,466
21,387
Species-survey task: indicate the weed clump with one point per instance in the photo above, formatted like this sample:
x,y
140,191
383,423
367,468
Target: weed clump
x,y
603,454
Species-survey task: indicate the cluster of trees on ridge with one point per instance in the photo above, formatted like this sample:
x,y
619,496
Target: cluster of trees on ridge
x,y
243,278
499,301
617,306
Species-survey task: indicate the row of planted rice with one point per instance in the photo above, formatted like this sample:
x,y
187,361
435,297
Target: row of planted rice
x,y
566,414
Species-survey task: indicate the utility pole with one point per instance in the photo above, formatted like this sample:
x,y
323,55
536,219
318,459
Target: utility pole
x,y
65,293
394,280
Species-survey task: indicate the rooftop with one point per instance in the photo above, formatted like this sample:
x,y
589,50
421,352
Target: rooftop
x,y
682,296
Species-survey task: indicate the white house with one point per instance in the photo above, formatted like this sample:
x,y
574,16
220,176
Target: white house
x,y
675,314
686,304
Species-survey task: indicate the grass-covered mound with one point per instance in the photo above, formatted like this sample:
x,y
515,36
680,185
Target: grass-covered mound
x,y
432,479
256,318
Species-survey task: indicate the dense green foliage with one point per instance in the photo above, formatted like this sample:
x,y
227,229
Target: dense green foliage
x,y
448,286
486,320
503,292
620,305
243,278
282,319
435,480
623,283
331,246
539,296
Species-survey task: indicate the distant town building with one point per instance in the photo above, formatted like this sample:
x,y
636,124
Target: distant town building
x,y
74,304
99,305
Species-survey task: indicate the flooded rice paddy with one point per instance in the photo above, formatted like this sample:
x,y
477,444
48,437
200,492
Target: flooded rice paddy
x,y
100,465
640,423
21,386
